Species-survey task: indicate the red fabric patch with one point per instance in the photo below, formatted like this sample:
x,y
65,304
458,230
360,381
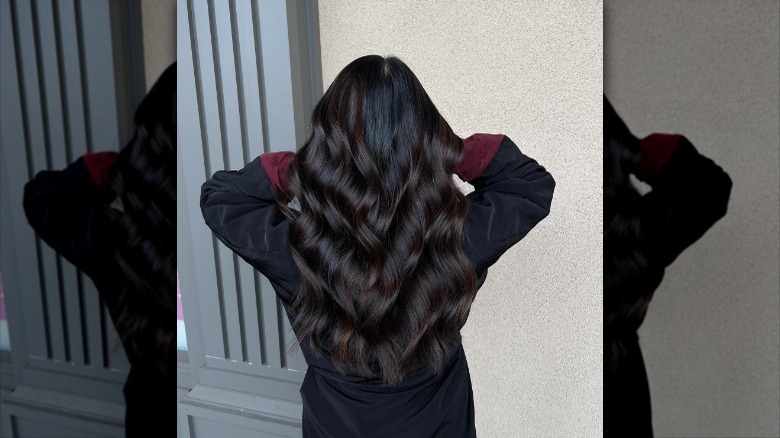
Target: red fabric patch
x,y
275,165
656,150
478,152
99,166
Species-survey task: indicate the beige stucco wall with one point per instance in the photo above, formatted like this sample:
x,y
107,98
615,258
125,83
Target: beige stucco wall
x,y
158,19
710,69
533,71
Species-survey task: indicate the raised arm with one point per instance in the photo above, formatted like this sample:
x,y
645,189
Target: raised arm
x,y
512,193
690,193
68,209
240,208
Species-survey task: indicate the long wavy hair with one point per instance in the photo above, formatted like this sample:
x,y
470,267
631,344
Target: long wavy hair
x,y
144,179
385,283
626,294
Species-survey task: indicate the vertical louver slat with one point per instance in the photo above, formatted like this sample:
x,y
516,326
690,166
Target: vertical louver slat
x,y
70,58
59,146
277,76
230,132
251,145
272,337
34,97
197,69
258,300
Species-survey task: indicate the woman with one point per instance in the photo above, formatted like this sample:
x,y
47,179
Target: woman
x,y
642,236
129,252
379,266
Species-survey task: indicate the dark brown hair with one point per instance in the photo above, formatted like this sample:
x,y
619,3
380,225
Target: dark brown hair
x,y
145,181
385,283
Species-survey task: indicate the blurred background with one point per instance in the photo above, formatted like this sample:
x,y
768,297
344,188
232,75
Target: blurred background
x,y
709,70
72,73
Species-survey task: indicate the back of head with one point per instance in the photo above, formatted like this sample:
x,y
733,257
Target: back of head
x,y
384,279
377,118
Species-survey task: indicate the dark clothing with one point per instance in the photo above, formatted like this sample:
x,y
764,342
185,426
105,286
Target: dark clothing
x,y
689,194
70,214
511,196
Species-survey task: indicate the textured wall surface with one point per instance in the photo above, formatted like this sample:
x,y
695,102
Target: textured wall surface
x,y
709,70
158,19
533,71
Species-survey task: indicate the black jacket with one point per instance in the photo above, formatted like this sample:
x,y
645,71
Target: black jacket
x,y
511,196
70,214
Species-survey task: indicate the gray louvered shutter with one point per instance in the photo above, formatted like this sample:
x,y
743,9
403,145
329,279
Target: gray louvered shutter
x,y
248,77
70,81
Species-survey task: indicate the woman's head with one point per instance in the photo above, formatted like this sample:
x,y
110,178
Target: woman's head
x,y
145,182
377,116
384,278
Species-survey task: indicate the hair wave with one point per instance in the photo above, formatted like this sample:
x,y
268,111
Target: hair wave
x,y
144,179
385,282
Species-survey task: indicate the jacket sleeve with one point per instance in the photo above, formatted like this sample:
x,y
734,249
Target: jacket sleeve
x,y
71,214
240,208
690,193
511,195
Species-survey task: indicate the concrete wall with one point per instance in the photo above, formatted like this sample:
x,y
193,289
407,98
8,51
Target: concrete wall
x,y
534,72
709,70
158,19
